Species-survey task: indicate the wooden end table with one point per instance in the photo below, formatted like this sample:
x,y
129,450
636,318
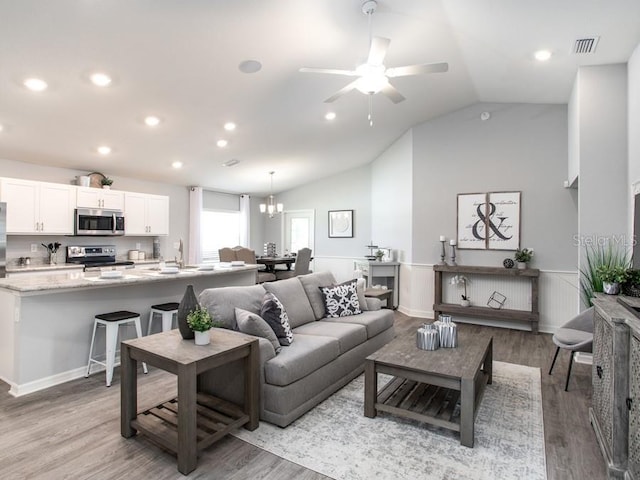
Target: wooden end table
x,y
427,384
381,294
194,420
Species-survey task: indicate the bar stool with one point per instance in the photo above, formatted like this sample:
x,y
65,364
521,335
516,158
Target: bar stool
x,y
112,321
166,311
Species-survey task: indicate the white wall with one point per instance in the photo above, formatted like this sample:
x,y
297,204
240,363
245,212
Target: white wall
x,y
633,71
392,197
574,132
19,246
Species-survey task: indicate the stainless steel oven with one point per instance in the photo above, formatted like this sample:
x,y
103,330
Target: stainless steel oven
x,y
99,222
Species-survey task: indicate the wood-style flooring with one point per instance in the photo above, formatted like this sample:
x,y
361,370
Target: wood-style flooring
x,y
73,430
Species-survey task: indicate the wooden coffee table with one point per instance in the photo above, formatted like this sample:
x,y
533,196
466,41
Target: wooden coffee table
x,y
428,384
194,420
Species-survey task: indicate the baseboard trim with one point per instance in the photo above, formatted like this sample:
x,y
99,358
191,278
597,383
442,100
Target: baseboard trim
x,y
17,390
416,313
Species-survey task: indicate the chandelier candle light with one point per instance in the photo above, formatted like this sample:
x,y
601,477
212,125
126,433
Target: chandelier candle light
x,y
271,207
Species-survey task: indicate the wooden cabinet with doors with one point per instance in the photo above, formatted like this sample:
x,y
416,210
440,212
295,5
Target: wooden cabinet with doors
x,y
38,207
146,214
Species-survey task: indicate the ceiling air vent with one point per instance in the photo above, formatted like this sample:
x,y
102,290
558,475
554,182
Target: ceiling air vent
x,y
585,46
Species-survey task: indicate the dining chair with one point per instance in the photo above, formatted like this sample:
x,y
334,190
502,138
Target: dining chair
x,y
249,256
577,336
301,267
226,254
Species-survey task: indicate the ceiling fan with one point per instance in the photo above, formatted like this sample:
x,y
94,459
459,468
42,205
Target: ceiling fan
x,y
373,76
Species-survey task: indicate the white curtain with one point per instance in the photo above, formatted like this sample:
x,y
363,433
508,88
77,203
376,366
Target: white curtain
x,y
245,216
195,214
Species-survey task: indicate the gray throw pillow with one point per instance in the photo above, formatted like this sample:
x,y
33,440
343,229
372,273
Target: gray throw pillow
x,y
360,288
341,300
310,283
253,324
275,315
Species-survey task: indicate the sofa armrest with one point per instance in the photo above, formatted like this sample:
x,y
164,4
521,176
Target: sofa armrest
x,y
373,303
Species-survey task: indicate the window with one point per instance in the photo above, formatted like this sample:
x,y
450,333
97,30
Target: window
x,y
218,229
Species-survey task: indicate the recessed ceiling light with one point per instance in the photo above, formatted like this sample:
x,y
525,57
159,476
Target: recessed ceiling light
x,y
250,66
152,121
231,163
542,55
229,126
222,143
103,150
330,116
177,164
100,79
35,84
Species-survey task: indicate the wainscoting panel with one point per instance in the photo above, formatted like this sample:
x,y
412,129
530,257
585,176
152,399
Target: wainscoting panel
x,y
559,292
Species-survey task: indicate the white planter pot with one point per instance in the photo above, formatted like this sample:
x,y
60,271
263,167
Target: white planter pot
x,y
465,303
611,288
522,265
202,338
106,187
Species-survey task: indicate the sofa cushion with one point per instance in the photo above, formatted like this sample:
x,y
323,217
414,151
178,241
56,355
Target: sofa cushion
x,y
305,355
375,321
254,324
341,300
274,313
361,286
349,335
222,302
310,283
294,299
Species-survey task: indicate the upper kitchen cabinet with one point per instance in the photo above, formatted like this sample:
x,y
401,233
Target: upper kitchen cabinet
x,y
146,214
38,207
99,198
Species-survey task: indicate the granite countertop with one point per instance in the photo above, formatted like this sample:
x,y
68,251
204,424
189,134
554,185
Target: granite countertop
x,y
42,267
78,279
611,308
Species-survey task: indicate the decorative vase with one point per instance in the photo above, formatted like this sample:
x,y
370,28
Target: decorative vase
x,y
428,337
53,258
465,303
188,303
202,338
508,263
611,288
522,265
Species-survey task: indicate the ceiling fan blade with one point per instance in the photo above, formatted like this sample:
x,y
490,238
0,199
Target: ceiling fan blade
x,y
417,69
341,92
378,50
331,71
391,93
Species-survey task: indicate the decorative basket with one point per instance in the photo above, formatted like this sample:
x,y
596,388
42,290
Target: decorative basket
x,y
631,290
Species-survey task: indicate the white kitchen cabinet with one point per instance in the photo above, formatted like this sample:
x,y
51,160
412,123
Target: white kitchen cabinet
x,y
146,214
38,207
87,197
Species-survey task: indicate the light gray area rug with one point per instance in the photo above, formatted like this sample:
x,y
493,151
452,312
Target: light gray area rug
x,y
337,440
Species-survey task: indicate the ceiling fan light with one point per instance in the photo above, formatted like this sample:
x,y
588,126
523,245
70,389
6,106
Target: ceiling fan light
x,y
372,83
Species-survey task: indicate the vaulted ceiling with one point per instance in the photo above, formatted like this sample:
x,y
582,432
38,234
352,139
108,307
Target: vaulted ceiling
x,y
179,60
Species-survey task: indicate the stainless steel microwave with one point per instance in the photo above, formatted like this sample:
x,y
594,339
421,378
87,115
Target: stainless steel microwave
x,y
99,222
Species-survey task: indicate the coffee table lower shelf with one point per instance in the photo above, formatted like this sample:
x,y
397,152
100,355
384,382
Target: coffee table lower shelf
x,y
215,419
439,406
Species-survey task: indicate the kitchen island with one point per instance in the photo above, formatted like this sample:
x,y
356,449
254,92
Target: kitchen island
x,y
46,320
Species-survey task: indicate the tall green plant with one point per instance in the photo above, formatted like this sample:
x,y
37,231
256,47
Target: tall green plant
x,y
597,257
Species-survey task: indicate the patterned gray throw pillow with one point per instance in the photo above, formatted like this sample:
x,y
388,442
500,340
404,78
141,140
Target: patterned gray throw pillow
x,y
253,324
274,314
341,300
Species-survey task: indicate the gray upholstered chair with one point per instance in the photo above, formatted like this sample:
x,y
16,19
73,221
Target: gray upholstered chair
x,y
249,256
303,258
226,254
577,336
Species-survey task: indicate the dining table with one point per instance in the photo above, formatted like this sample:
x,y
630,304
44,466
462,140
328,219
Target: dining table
x,y
271,262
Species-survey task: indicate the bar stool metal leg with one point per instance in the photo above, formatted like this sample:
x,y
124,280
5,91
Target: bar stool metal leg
x,y
93,339
139,333
112,343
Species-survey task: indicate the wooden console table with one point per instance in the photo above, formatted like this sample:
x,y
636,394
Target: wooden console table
x,y
194,420
532,316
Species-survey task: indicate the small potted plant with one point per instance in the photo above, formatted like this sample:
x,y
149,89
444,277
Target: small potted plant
x,y
523,257
379,255
462,280
200,321
612,277
106,183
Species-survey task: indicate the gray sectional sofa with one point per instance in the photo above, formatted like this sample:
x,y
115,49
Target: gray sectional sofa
x,y
325,355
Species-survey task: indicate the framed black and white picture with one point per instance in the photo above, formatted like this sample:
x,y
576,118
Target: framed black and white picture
x,y
489,221
340,223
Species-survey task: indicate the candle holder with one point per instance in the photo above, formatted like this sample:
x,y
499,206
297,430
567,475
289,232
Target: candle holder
x,y
443,253
453,256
